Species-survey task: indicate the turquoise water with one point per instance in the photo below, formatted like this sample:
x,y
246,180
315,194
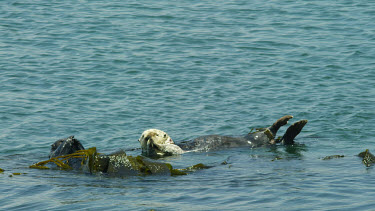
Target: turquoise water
x,y
105,71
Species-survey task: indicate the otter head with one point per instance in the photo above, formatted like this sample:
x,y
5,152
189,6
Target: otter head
x,y
65,146
157,143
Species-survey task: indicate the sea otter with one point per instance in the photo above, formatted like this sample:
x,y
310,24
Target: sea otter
x,y
156,143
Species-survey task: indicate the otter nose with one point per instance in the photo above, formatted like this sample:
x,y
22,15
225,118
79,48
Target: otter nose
x,y
170,141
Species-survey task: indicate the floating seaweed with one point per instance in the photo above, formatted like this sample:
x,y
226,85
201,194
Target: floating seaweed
x,y
332,156
63,160
117,164
368,158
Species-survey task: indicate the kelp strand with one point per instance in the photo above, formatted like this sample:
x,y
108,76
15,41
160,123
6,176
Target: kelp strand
x,y
62,161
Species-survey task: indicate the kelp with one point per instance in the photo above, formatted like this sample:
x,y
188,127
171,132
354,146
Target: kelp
x,y
1,170
277,158
266,131
368,158
332,157
122,165
195,167
257,130
63,160
117,164
15,174
185,171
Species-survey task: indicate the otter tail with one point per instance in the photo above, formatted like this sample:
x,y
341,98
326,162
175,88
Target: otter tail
x,y
292,132
280,122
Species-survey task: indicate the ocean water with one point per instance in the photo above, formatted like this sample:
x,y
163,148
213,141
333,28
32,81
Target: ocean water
x,y
107,70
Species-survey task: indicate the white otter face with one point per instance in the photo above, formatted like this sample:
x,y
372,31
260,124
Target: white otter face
x,y
155,142
157,136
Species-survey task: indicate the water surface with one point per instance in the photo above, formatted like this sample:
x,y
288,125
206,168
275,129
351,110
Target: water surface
x,y
105,71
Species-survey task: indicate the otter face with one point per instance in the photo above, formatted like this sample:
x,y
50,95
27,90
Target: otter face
x,y
65,146
155,142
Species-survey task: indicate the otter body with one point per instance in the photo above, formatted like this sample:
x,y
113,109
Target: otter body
x,y
156,143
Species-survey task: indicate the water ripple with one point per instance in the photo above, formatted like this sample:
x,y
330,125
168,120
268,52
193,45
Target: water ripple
x,y
106,70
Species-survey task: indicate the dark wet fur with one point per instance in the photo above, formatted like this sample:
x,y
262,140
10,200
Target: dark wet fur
x,y
213,142
292,132
263,137
280,122
67,146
